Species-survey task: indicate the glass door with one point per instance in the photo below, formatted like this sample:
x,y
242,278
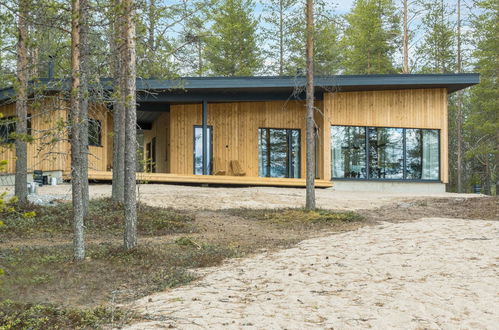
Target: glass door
x,y
279,153
198,150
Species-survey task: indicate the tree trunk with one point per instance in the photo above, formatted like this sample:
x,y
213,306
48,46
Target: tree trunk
x,y
310,149
83,119
130,239
281,38
76,175
406,40
21,181
459,112
118,105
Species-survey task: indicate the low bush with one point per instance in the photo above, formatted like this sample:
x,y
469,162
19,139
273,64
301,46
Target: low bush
x,y
291,215
104,215
14,315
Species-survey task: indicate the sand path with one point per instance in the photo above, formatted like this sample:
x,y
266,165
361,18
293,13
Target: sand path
x,y
427,274
216,198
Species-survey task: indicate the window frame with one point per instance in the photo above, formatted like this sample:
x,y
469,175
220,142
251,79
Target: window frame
x,y
289,149
404,148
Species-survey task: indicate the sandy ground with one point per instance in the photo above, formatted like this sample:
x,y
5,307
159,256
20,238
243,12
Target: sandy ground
x,y
428,274
213,198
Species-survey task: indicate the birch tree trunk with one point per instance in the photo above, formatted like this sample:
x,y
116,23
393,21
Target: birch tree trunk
x,y
118,104
130,237
21,181
310,149
84,95
76,155
406,40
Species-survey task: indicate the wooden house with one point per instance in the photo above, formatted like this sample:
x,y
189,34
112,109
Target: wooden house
x,y
383,131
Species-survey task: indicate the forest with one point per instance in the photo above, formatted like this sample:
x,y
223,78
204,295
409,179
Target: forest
x,y
178,38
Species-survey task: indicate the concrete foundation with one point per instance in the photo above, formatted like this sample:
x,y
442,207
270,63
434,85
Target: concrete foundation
x,y
387,186
8,179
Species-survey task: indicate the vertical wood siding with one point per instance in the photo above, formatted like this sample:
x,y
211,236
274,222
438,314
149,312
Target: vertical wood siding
x,y
415,108
50,150
235,132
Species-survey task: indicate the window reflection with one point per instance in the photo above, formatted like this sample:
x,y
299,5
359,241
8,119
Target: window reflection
x,y
349,151
386,153
279,153
198,150
392,153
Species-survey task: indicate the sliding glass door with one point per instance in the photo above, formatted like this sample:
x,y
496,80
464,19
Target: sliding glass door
x,y
279,153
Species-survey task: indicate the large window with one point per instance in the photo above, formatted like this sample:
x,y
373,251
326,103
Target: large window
x,y
349,152
198,150
381,153
279,153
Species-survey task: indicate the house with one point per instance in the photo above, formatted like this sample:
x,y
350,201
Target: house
x,y
384,132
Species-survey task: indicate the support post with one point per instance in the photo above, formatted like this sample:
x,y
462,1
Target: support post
x,y
205,137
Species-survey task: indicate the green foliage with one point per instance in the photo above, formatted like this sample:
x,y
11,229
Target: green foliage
x,y
327,50
436,53
14,315
371,37
482,124
232,49
105,215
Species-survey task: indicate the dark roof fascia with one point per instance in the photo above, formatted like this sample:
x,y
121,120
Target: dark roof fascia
x,y
452,82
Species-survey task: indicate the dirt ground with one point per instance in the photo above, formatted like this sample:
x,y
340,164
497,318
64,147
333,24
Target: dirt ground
x,y
416,261
216,198
434,273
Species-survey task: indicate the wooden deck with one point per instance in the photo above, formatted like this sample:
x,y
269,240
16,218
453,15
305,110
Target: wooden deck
x,y
212,179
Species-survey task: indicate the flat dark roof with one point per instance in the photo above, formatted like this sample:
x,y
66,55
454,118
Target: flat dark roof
x,y
193,89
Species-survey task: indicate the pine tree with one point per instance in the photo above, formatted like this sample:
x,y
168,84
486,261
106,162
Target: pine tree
x,y
21,180
327,51
482,124
436,53
279,32
130,199
232,49
371,37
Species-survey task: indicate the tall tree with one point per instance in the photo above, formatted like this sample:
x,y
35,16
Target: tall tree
x,y
279,31
76,154
118,52
130,235
327,55
83,111
482,124
310,150
21,182
232,49
405,43
436,52
459,108
371,37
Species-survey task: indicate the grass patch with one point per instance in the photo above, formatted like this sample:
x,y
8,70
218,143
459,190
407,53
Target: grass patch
x,y
47,316
298,216
109,273
105,215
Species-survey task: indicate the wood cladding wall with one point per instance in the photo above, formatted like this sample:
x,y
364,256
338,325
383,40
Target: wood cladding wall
x,y
50,150
414,108
160,131
235,132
